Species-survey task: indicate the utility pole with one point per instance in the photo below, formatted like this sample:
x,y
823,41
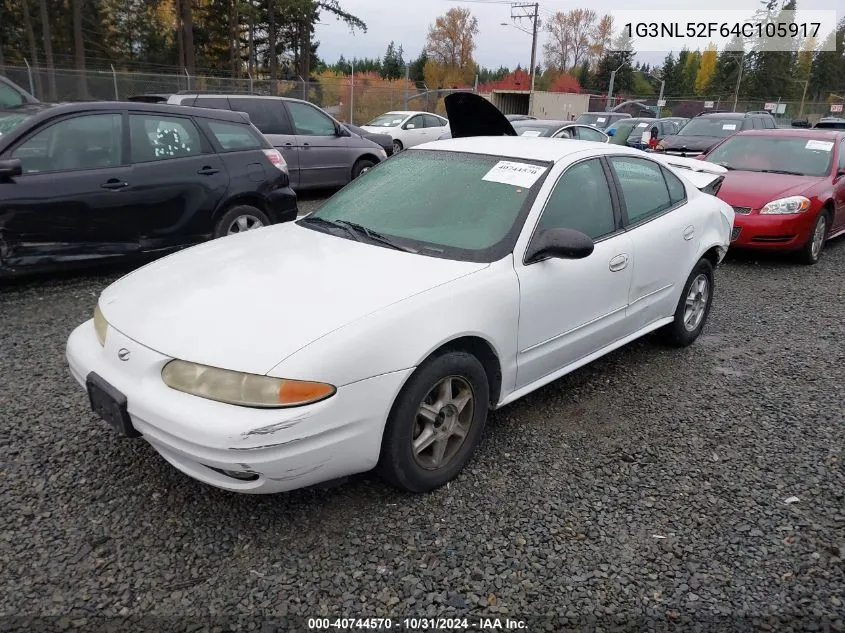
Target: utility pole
x,y
529,12
351,92
407,81
608,107
739,78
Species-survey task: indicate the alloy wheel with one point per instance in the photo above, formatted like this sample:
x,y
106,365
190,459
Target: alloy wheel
x,y
244,223
696,302
443,422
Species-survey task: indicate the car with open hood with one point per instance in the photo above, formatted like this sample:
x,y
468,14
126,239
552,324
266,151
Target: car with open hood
x,y
787,188
709,128
371,334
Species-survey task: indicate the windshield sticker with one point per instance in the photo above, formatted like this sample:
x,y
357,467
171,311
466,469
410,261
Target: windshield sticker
x,y
516,174
642,124
601,119
824,146
530,133
729,126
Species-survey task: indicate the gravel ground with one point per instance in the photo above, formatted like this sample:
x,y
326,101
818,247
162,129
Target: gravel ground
x,y
650,486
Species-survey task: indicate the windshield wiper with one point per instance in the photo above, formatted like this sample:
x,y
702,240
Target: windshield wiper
x,y
332,224
373,236
782,171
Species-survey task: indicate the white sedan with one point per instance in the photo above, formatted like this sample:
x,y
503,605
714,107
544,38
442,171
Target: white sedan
x,y
378,334
407,128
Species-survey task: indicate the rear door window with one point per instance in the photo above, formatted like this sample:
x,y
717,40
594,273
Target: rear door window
x,y
217,103
268,115
433,121
643,187
154,137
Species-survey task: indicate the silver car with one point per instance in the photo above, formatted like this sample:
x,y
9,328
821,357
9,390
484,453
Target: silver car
x,y
320,151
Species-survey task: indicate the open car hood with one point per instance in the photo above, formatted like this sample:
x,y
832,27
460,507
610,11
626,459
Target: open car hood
x,y
472,115
707,177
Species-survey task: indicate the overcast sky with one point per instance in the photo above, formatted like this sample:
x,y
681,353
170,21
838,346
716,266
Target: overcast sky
x,y
406,22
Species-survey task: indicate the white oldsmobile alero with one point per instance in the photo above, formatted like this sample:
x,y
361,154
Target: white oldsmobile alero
x,y
379,331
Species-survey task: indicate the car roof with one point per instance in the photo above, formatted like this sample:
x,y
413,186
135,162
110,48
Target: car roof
x,y
525,147
137,106
809,133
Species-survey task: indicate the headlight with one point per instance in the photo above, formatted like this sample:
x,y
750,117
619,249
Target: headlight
x,y
786,206
100,326
246,390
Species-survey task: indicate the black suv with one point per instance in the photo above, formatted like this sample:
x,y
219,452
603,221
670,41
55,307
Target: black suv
x,y
89,182
708,128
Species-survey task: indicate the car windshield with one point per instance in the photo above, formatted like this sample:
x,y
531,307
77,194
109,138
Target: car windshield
x,y
779,154
534,128
711,127
593,119
387,120
9,121
444,204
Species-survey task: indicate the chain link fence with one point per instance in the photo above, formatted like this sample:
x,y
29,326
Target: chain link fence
x,y
356,100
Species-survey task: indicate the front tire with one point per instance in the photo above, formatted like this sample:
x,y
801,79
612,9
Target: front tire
x,y
436,423
693,307
397,146
811,252
240,219
361,166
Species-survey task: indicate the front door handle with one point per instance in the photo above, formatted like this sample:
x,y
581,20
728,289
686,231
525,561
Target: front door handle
x,y
689,232
208,171
114,184
618,263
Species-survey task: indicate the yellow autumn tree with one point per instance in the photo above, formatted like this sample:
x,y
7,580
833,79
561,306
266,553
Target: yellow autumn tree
x,y
450,44
706,69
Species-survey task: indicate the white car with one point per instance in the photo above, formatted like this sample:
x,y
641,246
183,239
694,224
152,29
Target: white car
x,y
370,334
408,129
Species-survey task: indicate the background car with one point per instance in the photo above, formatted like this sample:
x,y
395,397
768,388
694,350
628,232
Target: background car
x,y
519,117
830,123
787,188
526,286
13,96
320,152
551,129
408,128
637,132
705,130
87,182
385,141
601,120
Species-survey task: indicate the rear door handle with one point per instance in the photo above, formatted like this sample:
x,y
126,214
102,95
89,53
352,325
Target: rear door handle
x,y
208,171
689,232
114,184
618,263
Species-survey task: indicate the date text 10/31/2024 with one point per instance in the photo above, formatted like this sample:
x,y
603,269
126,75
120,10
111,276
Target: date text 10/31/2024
x,y
416,624
721,29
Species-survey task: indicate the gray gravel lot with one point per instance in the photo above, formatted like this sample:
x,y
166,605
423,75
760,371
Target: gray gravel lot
x,y
650,484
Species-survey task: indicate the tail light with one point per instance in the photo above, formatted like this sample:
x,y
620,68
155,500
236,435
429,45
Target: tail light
x,y
275,157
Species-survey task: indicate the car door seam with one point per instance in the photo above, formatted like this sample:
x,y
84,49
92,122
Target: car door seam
x,y
574,329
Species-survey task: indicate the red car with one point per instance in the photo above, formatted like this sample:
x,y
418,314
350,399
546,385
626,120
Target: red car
x,y
787,188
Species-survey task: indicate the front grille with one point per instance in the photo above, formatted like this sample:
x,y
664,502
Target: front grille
x,y
773,239
735,233
742,210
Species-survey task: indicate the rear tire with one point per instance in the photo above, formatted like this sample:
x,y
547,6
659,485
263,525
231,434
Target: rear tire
x,y
811,252
362,165
693,307
240,219
435,423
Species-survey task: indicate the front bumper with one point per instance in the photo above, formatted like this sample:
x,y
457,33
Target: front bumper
x,y
285,448
772,232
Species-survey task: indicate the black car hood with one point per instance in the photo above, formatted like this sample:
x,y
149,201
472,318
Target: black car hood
x,y
691,143
472,115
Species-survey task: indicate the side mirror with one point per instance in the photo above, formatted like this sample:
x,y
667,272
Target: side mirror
x,y
10,168
342,131
559,244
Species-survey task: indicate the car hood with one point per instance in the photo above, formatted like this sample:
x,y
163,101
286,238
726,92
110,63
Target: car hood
x,y
754,189
247,302
691,143
470,114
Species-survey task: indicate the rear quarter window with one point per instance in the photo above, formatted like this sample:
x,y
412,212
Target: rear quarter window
x,y
235,137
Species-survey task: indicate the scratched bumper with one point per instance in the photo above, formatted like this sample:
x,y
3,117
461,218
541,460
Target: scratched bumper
x,y
286,449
